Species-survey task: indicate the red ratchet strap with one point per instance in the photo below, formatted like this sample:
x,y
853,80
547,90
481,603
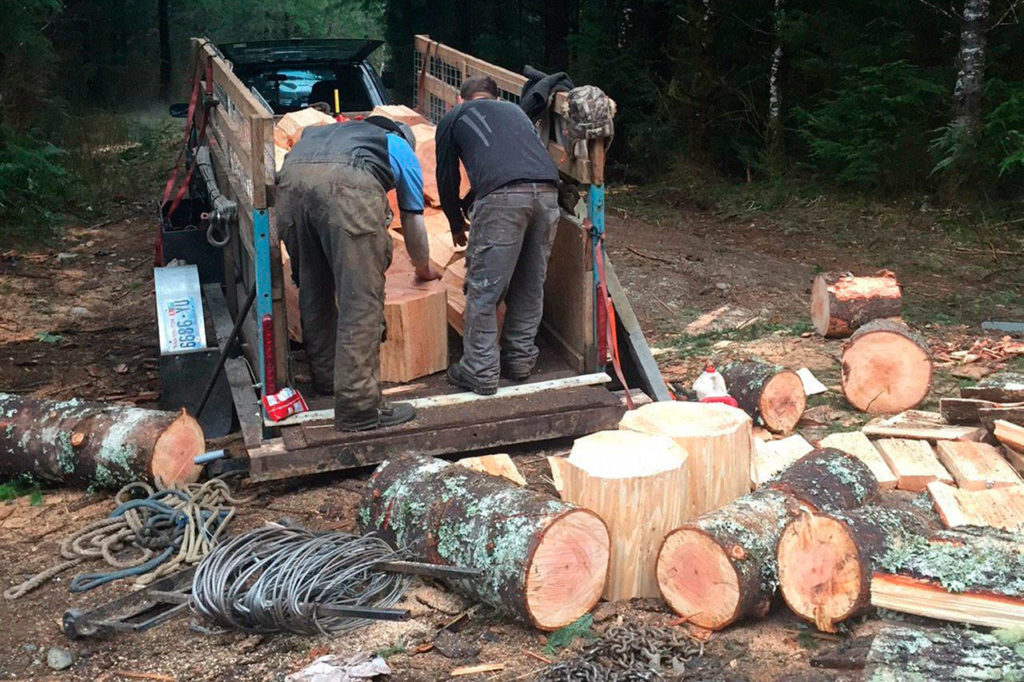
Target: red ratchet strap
x,y
607,320
189,126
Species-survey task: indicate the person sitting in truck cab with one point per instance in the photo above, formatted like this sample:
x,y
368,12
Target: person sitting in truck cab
x,y
333,215
514,213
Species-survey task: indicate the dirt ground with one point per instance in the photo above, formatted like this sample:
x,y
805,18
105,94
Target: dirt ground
x,y
77,320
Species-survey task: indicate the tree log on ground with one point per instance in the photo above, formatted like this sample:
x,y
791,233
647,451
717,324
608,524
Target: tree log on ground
x,y
970,575
639,485
902,652
718,440
771,395
886,368
841,302
543,561
722,566
96,445
826,559
1004,387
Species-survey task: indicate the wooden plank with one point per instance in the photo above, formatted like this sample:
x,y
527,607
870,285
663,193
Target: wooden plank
x,y
451,399
963,410
451,430
1015,458
1004,387
976,466
1008,412
569,296
923,598
243,394
913,462
495,465
919,425
773,456
573,166
857,444
998,508
1010,435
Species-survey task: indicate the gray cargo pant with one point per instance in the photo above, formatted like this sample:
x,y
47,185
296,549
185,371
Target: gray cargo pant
x,y
512,231
332,217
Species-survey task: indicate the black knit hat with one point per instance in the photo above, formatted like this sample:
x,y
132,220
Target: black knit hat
x,y
390,125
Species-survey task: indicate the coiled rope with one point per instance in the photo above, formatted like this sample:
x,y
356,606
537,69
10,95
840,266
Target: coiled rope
x,y
159,533
281,580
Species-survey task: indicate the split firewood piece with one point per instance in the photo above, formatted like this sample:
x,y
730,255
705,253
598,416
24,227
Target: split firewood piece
x,y
968,410
1001,508
841,302
1004,387
913,461
717,439
857,444
722,566
771,457
1010,435
976,466
919,425
886,368
96,445
826,559
495,465
639,485
961,576
771,395
903,652
544,561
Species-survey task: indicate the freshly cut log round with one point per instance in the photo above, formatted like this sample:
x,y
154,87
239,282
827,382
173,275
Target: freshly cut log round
x,y
772,396
886,368
543,561
637,483
718,440
722,566
95,445
826,559
841,302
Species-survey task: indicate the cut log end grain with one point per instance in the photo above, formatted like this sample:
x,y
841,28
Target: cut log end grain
x,y
820,570
886,368
567,572
782,402
698,580
841,303
174,453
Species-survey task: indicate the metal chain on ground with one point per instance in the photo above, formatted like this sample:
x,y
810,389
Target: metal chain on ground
x,y
158,532
629,653
287,579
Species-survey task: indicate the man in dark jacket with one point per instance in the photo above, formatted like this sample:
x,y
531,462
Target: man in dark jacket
x,y
333,214
514,212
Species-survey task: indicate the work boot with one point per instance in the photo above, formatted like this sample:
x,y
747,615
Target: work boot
x,y
457,377
514,374
388,414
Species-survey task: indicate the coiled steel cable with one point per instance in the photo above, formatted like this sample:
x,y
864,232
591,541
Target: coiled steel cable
x,y
287,579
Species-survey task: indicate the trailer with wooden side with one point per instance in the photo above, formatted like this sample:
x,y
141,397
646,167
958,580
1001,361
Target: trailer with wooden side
x,y
570,394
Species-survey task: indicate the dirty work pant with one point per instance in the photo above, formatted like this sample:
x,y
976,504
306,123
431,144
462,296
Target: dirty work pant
x,y
510,241
333,218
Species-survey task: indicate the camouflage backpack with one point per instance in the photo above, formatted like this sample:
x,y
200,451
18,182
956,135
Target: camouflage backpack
x,y
591,114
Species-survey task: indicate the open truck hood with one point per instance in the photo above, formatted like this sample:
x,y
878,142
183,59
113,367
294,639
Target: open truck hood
x,y
299,51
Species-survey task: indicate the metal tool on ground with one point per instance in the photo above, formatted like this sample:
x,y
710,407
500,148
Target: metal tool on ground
x,y
286,579
163,531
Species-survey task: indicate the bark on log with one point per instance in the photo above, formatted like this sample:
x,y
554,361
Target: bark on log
x,y
543,561
826,559
1004,387
901,652
96,445
886,368
841,302
964,410
722,566
773,396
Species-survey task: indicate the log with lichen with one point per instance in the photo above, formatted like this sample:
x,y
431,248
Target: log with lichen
x,y
911,654
543,561
971,576
773,396
97,445
826,558
721,567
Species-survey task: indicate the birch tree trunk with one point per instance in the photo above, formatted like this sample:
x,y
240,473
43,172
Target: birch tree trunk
x,y
967,93
775,142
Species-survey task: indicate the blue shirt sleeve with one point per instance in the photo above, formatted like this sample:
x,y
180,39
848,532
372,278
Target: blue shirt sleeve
x,y
408,174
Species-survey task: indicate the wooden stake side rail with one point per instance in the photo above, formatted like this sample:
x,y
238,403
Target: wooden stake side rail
x,y
454,429
449,399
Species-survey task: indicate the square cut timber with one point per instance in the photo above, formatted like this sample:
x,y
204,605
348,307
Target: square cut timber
x,y
920,425
976,466
1001,508
914,463
857,444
